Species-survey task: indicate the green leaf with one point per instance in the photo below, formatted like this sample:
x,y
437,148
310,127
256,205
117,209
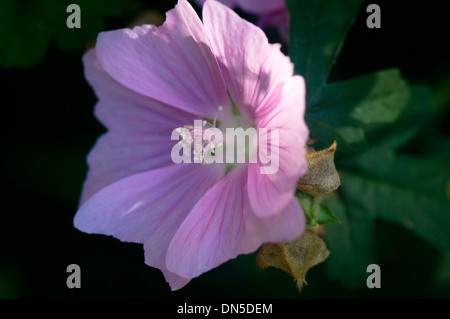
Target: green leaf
x,y
94,16
9,283
318,30
341,111
351,243
24,36
416,115
442,276
325,216
335,126
369,99
407,190
371,117
379,184
28,27
344,110
316,213
428,174
410,192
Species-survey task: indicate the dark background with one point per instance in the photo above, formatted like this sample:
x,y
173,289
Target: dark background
x,y
49,127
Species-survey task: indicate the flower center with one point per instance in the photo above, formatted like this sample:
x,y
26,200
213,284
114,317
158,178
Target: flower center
x,y
212,141
201,138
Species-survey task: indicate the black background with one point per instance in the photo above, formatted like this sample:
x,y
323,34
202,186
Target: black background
x,y
49,127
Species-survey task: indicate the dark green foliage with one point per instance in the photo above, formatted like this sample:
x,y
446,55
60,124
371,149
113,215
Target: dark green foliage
x,y
372,117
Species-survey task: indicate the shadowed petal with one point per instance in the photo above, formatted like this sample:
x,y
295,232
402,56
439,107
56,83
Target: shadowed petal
x,y
173,63
230,3
253,6
251,67
269,193
222,225
148,208
261,6
139,130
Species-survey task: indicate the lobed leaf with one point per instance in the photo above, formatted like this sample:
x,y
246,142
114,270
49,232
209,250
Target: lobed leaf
x,y
317,33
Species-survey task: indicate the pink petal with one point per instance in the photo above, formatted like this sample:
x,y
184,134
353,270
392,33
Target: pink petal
x,y
284,29
139,130
269,193
279,18
148,208
222,225
251,67
261,6
230,3
173,63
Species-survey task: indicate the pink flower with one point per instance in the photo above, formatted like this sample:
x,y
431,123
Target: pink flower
x,y
149,81
272,13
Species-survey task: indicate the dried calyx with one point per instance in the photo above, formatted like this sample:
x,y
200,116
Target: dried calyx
x,y
298,256
322,177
